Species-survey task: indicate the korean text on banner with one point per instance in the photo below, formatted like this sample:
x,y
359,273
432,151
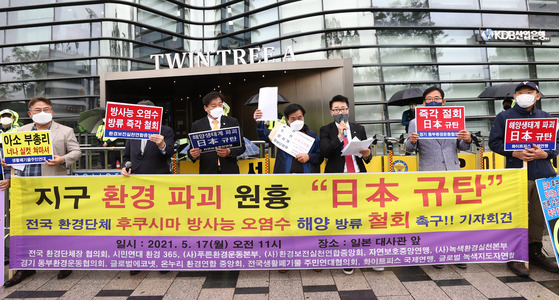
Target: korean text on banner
x,y
210,140
291,141
27,147
442,122
131,121
269,222
523,133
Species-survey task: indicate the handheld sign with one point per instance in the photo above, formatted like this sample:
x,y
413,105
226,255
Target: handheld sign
x,y
523,133
290,141
27,147
548,190
132,121
210,140
439,122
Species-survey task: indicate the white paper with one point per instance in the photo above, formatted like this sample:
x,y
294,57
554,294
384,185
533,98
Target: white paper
x,y
268,103
355,146
290,141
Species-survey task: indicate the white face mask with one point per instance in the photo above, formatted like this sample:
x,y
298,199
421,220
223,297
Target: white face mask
x,y
297,125
42,118
525,100
6,121
216,112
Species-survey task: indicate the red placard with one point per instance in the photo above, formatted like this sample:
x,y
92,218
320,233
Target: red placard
x,y
439,122
523,133
132,121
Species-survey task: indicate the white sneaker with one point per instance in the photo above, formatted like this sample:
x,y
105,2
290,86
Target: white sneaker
x,y
348,271
378,269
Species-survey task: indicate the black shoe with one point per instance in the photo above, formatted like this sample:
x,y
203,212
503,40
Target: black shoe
x,y
132,273
163,272
348,271
518,268
438,266
539,259
462,266
19,276
63,274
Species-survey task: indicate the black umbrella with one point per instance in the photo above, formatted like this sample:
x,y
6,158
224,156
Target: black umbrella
x,y
254,100
500,91
407,96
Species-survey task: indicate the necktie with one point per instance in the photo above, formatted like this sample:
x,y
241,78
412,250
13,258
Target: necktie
x,y
348,159
215,122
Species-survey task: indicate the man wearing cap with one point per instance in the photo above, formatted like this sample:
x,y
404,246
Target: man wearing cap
x,y
8,118
539,166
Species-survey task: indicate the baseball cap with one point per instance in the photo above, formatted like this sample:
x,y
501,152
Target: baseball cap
x,y
527,84
6,111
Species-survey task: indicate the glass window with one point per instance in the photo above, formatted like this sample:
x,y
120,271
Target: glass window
x,y
30,16
547,71
64,88
504,20
4,3
454,4
549,88
395,113
478,125
365,74
369,112
402,18
302,25
544,21
399,3
470,72
405,55
24,71
72,31
70,68
410,73
28,35
546,54
462,90
373,129
30,2
26,53
304,43
70,49
298,8
263,17
403,37
82,12
506,54
543,5
355,19
504,4
119,11
348,38
310,56
391,89
158,21
550,105
266,33
461,55
358,56
455,37
367,93
455,19
252,5
337,4
2,18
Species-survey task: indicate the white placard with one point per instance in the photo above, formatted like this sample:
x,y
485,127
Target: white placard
x,y
268,103
290,141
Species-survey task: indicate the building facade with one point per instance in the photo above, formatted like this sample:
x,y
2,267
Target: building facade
x,y
59,48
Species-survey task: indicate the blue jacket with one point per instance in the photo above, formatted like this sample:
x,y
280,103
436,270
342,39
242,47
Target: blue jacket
x,y
537,169
284,160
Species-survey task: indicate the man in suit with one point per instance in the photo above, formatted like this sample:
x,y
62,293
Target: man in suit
x,y
66,151
223,160
437,154
334,137
150,156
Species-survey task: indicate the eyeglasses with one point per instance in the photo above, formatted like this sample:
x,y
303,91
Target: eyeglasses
x,y
429,99
340,110
38,110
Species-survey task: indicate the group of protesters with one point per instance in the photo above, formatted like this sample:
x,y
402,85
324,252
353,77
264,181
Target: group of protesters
x,y
151,156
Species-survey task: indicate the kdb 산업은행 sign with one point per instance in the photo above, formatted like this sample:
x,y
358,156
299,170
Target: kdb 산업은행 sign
x,y
232,222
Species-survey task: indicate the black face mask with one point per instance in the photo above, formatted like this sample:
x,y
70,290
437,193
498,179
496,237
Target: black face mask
x,y
341,118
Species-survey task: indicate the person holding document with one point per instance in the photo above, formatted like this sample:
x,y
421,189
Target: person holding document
x,y
302,162
223,160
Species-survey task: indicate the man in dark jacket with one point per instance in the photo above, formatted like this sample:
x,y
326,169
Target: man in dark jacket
x,y
303,162
539,166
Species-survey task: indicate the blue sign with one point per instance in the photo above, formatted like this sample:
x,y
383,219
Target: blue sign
x,y
548,190
210,140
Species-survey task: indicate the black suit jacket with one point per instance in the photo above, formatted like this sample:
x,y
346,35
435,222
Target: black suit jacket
x,y
331,147
152,161
208,160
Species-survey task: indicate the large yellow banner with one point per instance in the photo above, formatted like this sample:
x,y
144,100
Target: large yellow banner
x,y
311,212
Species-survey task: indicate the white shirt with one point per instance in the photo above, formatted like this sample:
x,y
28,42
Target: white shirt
x,y
349,137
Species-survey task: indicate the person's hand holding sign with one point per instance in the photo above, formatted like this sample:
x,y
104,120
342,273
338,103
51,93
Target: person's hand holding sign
x,y
158,139
530,154
55,161
223,152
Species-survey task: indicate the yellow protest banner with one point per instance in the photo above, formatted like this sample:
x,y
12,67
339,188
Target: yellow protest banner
x,y
269,221
27,147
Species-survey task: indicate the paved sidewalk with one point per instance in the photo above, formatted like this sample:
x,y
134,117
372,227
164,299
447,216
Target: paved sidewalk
x,y
479,281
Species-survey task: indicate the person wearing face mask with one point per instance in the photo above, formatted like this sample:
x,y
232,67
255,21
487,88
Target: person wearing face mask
x,y
66,151
539,166
437,154
303,162
8,118
223,160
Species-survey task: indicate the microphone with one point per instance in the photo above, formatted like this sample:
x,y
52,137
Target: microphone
x,y
127,166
